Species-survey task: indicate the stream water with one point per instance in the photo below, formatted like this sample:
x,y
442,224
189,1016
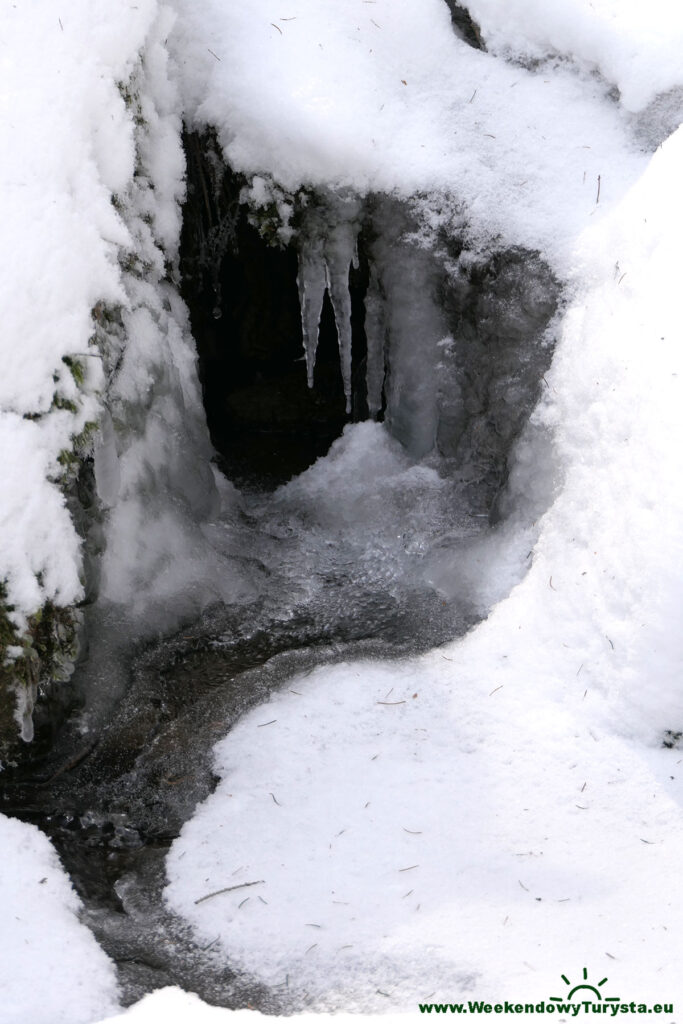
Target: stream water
x,y
339,563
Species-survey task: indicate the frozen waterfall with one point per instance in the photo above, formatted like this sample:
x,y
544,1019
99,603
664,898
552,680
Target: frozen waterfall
x,y
403,324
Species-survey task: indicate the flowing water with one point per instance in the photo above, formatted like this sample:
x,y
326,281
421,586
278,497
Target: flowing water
x,y
339,565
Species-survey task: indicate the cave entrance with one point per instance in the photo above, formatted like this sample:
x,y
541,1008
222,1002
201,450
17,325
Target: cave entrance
x,y
265,423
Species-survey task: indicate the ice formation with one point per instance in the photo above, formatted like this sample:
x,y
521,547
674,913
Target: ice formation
x,y
328,250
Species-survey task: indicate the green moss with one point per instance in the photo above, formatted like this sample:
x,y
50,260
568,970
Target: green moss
x,y
83,440
60,402
77,369
49,646
268,223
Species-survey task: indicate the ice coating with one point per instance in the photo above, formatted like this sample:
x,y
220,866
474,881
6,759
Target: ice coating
x,y
375,332
339,255
327,250
312,282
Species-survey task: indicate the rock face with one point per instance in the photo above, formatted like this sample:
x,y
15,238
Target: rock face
x,y
465,25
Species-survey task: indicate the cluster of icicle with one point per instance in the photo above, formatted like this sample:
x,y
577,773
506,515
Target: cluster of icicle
x,y
328,250
405,326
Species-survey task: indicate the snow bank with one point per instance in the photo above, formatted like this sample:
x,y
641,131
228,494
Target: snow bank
x,y
386,97
96,344
501,811
59,246
51,969
173,1006
634,46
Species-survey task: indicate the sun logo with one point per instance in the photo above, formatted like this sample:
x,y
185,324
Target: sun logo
x,y
584,987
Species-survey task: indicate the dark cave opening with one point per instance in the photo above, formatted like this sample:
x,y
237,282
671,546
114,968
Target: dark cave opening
x,y
466,336
265,423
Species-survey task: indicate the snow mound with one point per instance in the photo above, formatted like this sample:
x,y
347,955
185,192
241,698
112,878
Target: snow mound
x,y
173,1006
51,969
635,46
385,97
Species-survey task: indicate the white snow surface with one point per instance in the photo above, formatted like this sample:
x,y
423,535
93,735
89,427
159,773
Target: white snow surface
x,y
633,45
173,1006
499,811
90,116
384,96
59,237
51,969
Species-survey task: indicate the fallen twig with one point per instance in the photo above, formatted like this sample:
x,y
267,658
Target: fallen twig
x,y
229,888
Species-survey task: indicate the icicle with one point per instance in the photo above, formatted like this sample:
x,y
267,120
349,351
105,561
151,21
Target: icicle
x,y
328,250
312,283
106,463
339,253
375,332
415,326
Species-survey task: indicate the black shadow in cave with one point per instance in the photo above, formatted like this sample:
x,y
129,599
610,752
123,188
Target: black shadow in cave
x,y
264,421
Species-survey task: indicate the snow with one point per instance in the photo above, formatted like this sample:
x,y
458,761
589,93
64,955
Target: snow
x,y
386,97
90,218
51,969
481,819
501,810
58,245
173,1006
634,46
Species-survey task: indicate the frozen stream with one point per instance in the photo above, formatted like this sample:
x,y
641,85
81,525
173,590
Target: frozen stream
x,y
340,562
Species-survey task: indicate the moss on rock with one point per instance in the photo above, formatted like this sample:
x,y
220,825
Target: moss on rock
x,y
31,661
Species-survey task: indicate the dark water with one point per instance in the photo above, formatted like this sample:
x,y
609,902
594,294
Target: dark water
x,y
113,804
